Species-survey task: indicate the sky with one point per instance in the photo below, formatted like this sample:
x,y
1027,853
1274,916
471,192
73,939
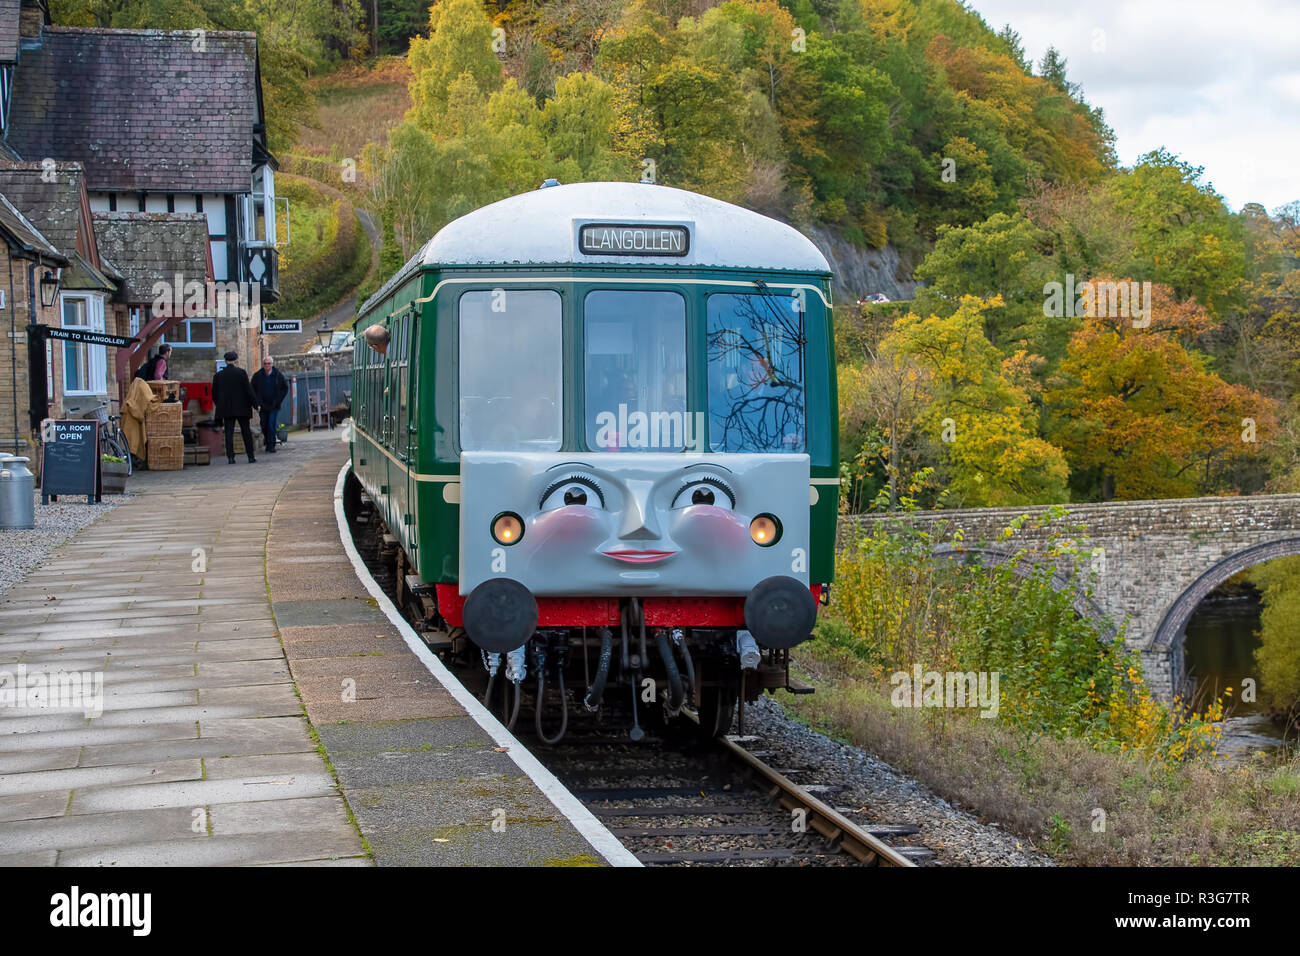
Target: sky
x,y
1216,83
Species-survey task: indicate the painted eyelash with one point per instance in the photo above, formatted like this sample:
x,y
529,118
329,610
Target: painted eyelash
x,y
709,480
580,479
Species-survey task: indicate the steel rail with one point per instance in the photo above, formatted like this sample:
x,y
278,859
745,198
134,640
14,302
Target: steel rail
x,y
827,821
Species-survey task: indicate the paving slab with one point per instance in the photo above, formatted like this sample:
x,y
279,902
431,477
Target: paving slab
x,y
213,682
199,708
245,850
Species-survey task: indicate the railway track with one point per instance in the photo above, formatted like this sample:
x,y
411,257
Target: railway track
x,y
689,804
676,801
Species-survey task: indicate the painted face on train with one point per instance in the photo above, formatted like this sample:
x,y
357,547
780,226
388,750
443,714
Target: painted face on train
x,y
631,523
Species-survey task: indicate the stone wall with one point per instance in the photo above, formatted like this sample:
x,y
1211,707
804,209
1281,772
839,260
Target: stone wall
x,y
16,435
1156,559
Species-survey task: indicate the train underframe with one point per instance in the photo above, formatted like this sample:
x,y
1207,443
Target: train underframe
x,y
680,678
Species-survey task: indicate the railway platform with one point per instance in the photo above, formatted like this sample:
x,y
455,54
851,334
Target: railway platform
x,y
243,697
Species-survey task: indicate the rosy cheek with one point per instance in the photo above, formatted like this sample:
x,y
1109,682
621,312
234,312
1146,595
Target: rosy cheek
x,y
571,526
705,529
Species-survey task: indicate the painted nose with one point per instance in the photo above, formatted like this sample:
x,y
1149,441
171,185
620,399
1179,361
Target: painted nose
x,y
639,522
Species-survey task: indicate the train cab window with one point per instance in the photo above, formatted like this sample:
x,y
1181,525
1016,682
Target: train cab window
x,y
755,350
511,346
635,358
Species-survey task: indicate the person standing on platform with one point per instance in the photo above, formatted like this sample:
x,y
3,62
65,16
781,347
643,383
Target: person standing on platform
x,y
235,401
160,362
156,368
271,389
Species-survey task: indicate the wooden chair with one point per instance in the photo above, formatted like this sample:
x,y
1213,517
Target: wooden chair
x,y
318,412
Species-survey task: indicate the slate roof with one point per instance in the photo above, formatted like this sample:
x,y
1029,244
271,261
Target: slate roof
x,y
55,206
142,109
148,247
9,30
24,233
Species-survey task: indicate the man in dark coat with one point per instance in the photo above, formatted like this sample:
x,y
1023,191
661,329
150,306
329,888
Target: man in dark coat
x,y
235,402
271,389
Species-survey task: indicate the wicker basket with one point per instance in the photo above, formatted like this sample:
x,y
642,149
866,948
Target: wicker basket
x,y
166,453
165,420
166,389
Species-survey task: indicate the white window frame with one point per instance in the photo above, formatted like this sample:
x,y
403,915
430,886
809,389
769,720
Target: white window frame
x,y
187,344
96,355
262,185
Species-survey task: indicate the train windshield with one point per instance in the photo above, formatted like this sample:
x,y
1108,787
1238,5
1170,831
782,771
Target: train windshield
x,y
756,373
635,350
511,357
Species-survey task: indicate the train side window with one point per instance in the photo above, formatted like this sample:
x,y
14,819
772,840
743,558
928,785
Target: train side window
x,y
511,370
755,347
405,340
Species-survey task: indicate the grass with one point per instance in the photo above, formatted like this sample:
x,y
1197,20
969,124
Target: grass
x,y
355,106
1083,806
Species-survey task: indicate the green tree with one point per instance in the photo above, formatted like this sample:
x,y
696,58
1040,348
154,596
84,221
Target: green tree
x,y
1004,256
1278,656
982,420
577,124
1183,236
459,44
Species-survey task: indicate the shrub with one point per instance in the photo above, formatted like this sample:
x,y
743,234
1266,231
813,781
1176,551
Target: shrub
x,y
1060,673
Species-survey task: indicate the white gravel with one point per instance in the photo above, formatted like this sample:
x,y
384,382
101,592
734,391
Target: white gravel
x,y
875,792
20,551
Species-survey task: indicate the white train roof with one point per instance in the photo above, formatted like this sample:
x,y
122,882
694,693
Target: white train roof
x,y
542,227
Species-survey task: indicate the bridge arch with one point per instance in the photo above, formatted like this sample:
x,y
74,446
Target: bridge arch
x,y
1084,606
1180,612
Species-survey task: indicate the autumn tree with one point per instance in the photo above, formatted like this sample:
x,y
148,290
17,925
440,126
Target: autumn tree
x,y
1140,414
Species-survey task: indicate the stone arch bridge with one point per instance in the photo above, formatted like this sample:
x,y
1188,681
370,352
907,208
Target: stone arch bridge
x,y
1159,558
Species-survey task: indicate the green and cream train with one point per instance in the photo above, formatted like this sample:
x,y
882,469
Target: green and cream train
x,y
600,421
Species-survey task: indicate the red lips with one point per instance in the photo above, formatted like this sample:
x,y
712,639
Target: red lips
x,y
640,557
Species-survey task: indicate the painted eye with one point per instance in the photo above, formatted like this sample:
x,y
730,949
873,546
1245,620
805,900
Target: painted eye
x,y
574,490
705,490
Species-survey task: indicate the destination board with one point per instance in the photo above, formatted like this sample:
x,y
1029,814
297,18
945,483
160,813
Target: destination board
x,y
631,239
69,458
89,338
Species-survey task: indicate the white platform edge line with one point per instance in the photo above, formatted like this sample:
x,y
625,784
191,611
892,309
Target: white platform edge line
x,y
583,820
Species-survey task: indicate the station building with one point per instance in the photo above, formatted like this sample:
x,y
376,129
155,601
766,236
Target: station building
x,y
138,188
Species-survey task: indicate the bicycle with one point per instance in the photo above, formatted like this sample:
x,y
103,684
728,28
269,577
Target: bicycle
x,y
111,440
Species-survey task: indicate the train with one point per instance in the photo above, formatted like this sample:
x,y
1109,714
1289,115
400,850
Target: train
x,y
598,421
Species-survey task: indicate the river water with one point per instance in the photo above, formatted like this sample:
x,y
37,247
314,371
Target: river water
x,y
1221,640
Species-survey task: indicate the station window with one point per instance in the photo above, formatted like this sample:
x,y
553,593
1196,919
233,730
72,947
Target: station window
x,y
511,362
84,366
756,373
635,359
192,333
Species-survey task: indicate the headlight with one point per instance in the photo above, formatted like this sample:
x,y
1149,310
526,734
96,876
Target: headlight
x,y
507,528
765,530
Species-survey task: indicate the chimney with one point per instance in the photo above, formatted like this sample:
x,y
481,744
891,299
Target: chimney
x,y
33,17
